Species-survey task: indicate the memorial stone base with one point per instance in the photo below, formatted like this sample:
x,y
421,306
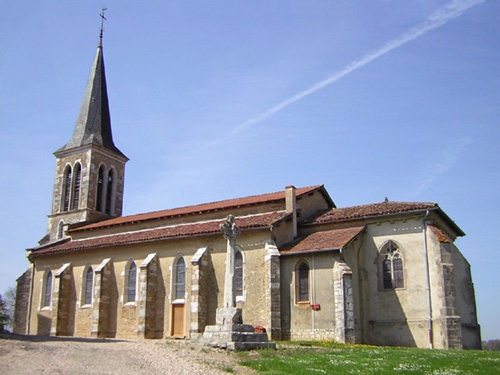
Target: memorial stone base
x,y
229,332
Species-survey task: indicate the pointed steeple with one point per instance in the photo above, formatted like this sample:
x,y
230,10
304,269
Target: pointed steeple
x,y
93,126
90,169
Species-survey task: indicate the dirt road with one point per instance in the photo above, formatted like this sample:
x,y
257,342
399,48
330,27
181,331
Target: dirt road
x,y
35,355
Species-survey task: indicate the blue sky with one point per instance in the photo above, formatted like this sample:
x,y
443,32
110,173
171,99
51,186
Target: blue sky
x,y
222,99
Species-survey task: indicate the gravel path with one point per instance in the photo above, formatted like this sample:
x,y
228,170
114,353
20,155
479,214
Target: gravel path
x,y
35,355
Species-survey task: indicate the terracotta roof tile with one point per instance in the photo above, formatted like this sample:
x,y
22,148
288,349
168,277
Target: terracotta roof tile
x,y
324,240
200,208
370,210
441,236
162,233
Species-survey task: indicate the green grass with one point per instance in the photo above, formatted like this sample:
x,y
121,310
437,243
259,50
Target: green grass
x,y
327,358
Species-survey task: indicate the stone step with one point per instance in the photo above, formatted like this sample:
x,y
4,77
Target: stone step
x,y
250,345
230,328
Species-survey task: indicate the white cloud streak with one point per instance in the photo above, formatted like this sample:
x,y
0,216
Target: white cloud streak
x,y
437,19
450,157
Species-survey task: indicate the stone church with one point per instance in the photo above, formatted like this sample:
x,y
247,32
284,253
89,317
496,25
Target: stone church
x,y
384,273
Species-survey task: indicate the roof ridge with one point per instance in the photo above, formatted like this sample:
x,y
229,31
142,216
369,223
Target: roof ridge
x,y
388,203
232,199
178,225
370,210
203,207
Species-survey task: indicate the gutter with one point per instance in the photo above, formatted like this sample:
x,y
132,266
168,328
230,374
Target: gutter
x,y
313,251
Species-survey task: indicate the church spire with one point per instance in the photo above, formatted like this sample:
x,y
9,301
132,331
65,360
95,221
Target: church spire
x,y
93,126
90,169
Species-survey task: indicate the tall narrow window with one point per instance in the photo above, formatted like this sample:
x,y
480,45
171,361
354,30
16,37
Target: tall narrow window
x,y
60,230
76,187
131,282
66,188
47,289
100,189
392,267
303,282
180,279
238,274
109,192
89,278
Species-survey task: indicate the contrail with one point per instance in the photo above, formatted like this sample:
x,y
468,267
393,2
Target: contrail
x,y
437,19
448,159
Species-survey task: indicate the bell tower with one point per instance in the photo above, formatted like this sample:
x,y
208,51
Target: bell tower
x,y
90,169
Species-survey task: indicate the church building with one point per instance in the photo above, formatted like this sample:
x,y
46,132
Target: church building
x,y
385,273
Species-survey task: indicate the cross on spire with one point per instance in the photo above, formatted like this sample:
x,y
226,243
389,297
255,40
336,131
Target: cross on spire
x,y
102,24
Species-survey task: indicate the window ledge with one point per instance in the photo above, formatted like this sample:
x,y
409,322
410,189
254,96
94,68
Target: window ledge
x,y
179,301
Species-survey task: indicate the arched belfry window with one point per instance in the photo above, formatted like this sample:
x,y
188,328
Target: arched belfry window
x,y
392,267
179,285
110,188
88,284
302,282
75,197
131,282
238,274
100,189
66,188
47,289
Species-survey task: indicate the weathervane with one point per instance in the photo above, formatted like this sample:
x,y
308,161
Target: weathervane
x,y
102,21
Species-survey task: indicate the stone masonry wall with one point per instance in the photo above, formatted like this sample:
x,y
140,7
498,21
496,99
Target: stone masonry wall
x,y
22,303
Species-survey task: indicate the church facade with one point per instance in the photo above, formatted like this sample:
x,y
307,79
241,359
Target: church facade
x,y
386,273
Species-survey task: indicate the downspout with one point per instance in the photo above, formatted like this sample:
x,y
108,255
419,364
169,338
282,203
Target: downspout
x,y
313,299
428,280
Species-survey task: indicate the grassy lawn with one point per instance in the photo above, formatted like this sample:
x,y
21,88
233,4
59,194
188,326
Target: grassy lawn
x,y
327,358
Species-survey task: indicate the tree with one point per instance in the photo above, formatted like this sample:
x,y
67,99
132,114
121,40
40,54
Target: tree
x,y
7,306
491,345
5,319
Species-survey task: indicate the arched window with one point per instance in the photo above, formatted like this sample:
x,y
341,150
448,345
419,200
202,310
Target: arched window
x,y
179,287
238,274
89,279
392,267
100,189
110,187
47,289
60,230
302,282
66,188
131,283
76,187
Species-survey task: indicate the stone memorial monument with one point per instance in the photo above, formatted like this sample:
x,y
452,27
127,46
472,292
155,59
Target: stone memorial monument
x,y
229,332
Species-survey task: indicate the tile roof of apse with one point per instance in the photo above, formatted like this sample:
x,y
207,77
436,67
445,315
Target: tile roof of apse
x,y
386,208
205,207
163,233
374,209
322,241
